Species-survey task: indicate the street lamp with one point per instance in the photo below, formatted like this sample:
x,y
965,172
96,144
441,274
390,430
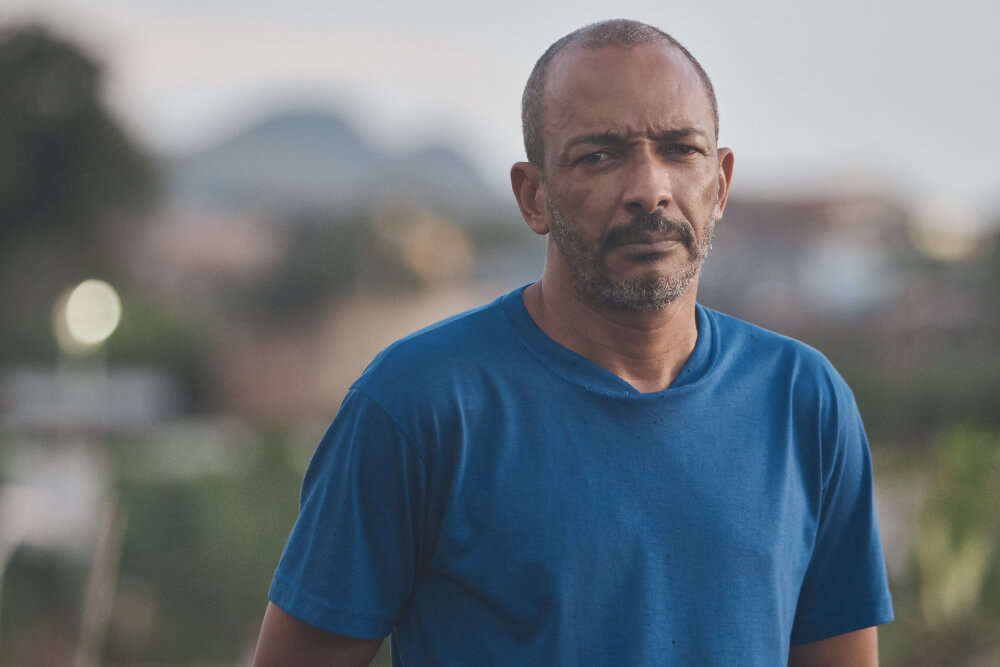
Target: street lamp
x,y
83,320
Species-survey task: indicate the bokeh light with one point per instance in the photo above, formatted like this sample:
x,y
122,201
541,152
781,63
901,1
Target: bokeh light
x,y
86,316
948,230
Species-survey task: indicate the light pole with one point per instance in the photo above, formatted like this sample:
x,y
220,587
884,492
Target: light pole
x,y
84,319
33,511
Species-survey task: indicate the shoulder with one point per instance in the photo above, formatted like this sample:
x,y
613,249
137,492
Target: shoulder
x,y
465,334
779,362
738,338
444,359
736,335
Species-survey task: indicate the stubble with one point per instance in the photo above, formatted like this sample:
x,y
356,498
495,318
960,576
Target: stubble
x,y
650,290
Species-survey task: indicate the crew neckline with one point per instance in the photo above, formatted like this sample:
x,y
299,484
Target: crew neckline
x,y
581,371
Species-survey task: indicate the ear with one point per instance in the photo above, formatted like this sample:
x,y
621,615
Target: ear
x,y
725,179
526,181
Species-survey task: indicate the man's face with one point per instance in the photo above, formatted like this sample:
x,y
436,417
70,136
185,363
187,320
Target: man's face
x,y
632,174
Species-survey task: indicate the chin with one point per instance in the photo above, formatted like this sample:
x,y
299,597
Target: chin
x,y
649,291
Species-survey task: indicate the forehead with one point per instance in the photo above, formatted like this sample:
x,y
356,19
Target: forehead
x,y
648,87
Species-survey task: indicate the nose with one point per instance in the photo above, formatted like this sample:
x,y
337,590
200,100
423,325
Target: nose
x,y
648,187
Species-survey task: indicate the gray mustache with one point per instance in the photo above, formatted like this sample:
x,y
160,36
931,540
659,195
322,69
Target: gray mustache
x,y
648,222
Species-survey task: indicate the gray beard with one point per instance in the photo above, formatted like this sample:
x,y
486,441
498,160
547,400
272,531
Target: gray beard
x,y
650,291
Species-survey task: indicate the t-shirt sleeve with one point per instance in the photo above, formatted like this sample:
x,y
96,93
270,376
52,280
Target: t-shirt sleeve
x,y
350,561
845,587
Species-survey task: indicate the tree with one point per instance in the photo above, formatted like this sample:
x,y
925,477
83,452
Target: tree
x,y
71,179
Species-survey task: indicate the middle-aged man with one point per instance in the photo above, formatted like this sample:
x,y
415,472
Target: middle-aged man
x,y
594,469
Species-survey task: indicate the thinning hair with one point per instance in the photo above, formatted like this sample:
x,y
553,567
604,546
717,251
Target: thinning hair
x,y
616,32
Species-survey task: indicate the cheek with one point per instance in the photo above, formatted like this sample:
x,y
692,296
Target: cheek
x,y
703,192
592,207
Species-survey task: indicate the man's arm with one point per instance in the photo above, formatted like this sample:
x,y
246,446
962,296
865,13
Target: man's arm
x,y
852,649
285,640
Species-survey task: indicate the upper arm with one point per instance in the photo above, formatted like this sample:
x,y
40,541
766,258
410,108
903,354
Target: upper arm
x,y
845,585
851,649
285,640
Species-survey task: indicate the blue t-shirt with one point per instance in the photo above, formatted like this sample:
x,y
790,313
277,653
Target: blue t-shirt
x,y
491,498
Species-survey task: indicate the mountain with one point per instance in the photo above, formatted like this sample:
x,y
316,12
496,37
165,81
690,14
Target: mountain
x,y
313,162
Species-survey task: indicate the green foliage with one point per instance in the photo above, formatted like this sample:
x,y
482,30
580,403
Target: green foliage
x,y
66,161
71,180
959,527
198,555
153,336
40,609
947,606
910,389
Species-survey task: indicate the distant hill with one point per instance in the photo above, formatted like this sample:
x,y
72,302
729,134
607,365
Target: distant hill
x,y
313,162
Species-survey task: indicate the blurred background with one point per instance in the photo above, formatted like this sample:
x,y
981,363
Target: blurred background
x,y
213,215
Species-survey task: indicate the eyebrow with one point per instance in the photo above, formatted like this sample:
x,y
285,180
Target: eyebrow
x,y
616,139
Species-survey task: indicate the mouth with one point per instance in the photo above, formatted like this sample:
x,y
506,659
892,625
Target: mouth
x,y
648,246
650,243
649,235
647,252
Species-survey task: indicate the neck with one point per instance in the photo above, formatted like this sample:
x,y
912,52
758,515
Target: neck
x,y
646,348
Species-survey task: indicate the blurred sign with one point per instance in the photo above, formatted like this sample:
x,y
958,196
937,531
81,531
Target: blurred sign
x,y
87,399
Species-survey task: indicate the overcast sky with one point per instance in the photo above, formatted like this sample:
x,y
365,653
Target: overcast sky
x,y
895,95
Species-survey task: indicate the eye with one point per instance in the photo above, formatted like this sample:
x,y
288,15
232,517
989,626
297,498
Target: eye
x,y
681,149
597,157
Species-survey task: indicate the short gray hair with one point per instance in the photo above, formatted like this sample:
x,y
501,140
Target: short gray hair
x,y
617,32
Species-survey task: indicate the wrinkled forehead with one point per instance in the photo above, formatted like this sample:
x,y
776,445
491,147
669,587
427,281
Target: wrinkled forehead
x,y
622,86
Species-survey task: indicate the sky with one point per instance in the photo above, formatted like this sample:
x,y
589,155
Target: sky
x,y
894,97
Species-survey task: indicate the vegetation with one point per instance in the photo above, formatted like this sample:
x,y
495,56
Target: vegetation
x,y
72,182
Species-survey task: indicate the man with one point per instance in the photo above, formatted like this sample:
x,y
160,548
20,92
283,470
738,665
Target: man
x,y
593,470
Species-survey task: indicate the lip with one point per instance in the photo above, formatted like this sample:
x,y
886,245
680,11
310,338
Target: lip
x,y
649,244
